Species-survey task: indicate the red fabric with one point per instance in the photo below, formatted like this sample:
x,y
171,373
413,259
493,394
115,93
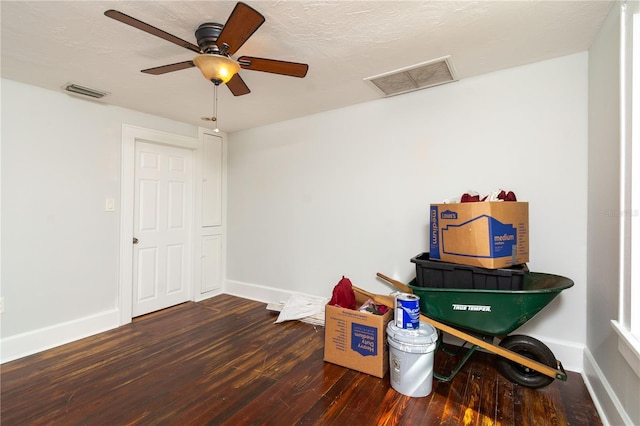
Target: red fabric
x,y
466,198
343,294
507,196
504,196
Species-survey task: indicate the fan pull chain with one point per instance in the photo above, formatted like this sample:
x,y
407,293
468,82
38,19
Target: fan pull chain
x,y
215,106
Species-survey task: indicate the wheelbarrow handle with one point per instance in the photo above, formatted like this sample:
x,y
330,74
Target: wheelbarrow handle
x,y
395,283
388,301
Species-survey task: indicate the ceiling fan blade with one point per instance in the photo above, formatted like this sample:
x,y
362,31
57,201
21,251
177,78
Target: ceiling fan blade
x,y
292,69
242,22
169,68
237,86
126,19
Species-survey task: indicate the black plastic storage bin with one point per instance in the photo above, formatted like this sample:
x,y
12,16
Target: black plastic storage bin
x,y
437,274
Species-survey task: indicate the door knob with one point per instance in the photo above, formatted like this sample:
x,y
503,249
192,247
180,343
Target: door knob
x,y
135,240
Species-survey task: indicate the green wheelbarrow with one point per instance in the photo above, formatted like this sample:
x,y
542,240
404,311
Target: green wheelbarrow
x,y
479,316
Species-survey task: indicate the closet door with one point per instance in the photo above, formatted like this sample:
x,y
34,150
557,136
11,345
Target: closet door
x,y
212,231
212,181
211,263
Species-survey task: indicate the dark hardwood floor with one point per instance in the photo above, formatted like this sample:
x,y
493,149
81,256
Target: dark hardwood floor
x,y
223,361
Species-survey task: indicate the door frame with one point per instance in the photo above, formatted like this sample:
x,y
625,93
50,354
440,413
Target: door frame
x,y
130,134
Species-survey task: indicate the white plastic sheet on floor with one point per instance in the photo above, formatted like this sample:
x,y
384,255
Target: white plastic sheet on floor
x,y
304,308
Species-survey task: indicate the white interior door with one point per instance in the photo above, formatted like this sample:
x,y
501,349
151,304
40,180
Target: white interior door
x,y
162,227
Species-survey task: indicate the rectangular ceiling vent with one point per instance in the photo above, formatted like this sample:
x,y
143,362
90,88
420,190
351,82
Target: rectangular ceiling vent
x,y
76,89
415,77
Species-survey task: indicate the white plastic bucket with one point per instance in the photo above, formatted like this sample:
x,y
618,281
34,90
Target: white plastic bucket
x,y
411,354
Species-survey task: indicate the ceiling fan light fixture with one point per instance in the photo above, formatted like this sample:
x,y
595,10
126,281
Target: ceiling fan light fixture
x,y
216,68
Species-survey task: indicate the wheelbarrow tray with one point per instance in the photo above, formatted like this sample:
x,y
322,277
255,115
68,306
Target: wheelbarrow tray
x,y
492,312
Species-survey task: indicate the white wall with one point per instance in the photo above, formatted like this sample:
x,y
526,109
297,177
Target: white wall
x,y
614,383
60,161
346,192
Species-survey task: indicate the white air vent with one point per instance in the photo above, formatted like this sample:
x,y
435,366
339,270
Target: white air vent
x,y
415,77
84,91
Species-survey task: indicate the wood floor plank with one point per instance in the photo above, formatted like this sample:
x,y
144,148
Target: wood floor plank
x,y
453,411
223,361
392,408
289,398
327,405
473,396
443,364
505,396
487,413
365,410
342,408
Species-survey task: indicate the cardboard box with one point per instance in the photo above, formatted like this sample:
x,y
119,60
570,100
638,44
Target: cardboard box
x,y
485,234
357,340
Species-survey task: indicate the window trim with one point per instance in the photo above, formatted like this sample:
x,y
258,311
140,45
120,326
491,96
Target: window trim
x,y
634,320
628,324
628,346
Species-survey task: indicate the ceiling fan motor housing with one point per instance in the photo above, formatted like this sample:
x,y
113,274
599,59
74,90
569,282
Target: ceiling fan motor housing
x,y
207,36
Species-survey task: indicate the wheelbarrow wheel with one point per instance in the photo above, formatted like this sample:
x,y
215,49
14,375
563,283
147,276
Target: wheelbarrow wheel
x,y
530,348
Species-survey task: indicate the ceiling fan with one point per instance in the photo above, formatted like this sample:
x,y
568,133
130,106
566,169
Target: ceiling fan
x,y
216,45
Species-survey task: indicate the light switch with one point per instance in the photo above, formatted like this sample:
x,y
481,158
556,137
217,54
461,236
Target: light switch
x,y
109,205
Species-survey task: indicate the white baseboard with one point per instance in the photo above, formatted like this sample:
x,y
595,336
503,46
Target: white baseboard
x,y
257,292
607,403
570,354
20,345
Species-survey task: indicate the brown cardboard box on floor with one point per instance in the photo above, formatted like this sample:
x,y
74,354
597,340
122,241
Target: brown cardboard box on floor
x,y
357,340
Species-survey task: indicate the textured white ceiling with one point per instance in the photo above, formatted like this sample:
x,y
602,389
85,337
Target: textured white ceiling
x,y
50,43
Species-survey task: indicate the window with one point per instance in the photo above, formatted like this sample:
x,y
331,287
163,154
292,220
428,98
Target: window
x,y
634,319
628,324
